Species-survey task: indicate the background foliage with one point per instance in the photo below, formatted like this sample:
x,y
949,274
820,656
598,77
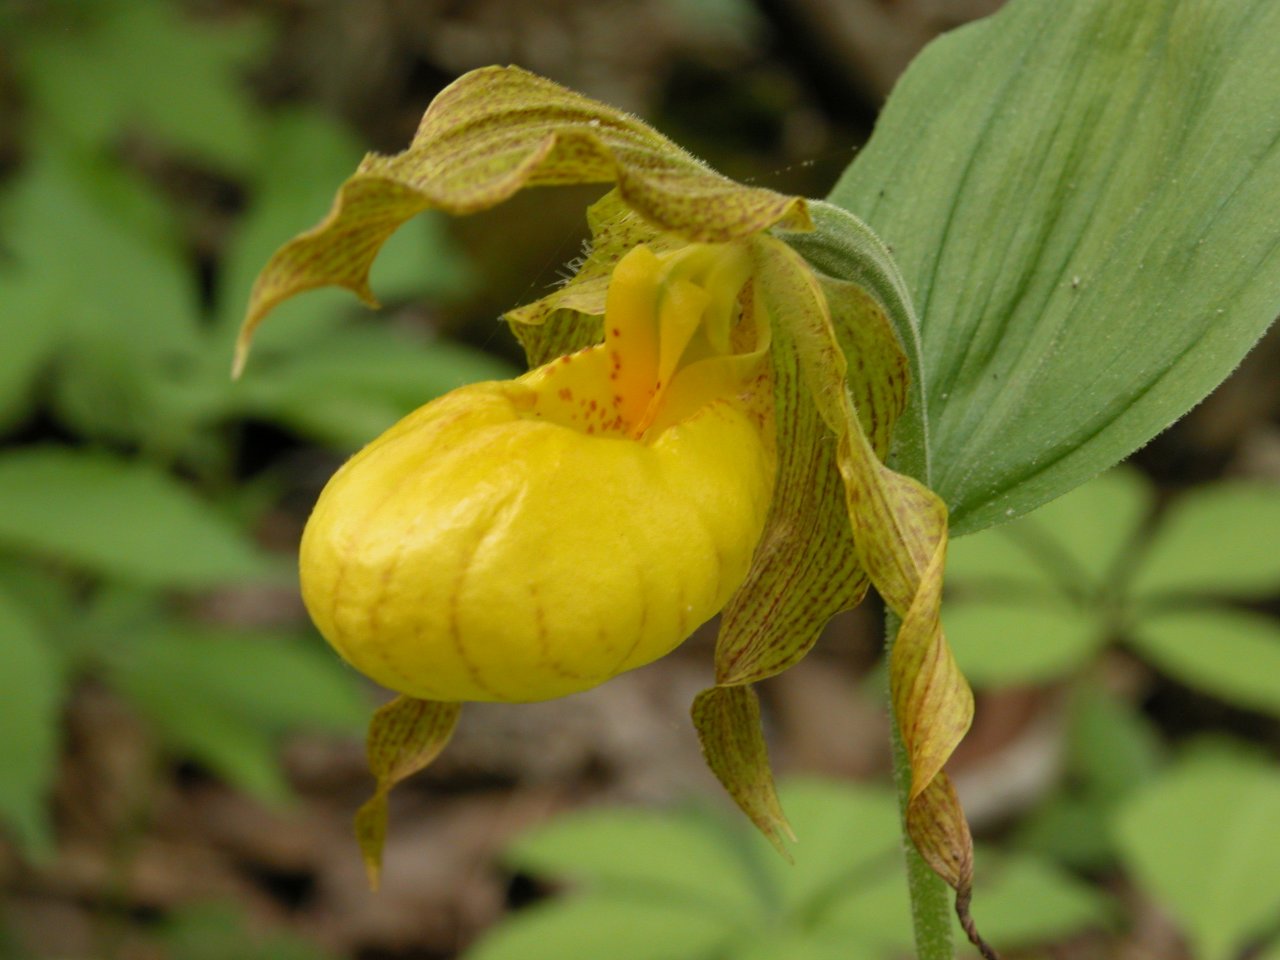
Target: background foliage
x,y
179,754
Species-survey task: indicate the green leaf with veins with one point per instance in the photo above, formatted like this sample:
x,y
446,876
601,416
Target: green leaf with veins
x,y
1088,234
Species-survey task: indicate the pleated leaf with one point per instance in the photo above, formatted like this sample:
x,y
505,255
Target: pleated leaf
x,y
1082,198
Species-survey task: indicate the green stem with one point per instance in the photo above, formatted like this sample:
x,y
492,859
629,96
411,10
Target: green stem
x,y
930,896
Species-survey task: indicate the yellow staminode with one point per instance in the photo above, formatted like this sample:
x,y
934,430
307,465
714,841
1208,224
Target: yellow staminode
x,y
525,539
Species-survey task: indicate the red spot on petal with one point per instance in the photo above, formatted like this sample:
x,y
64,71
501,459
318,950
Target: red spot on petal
x,y
616,332
565,394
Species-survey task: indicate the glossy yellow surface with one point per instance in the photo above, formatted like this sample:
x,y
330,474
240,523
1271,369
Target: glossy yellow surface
x,y
526,539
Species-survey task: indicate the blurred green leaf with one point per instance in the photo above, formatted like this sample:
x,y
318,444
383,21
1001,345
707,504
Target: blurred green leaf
x,y
82,269
228,745
600,925
353,384
1110,745
142,64
108,299
26,346
1214,539
1111,750
687,857
49,597
225,698
276,682
1073,544
845,896
875,913
997,560
1001,644
844,833
302,154
720,20
312,372
694,857
1026,901
1070,828
216,931
120,518
1231,654
1030,595
31,687
1202,840
1020,901
423,263
1093,524
800,945
1088,234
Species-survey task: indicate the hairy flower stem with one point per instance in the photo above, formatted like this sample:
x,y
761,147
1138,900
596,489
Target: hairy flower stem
x,y
930,896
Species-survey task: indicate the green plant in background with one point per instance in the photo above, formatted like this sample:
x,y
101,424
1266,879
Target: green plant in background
x,y
1037,600
1080,224
1198,837
687,885
129,507
1201,839
1081,250
216,931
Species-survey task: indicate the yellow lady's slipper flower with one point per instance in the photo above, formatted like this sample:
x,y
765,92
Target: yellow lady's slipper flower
x,y
528,539
703,431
